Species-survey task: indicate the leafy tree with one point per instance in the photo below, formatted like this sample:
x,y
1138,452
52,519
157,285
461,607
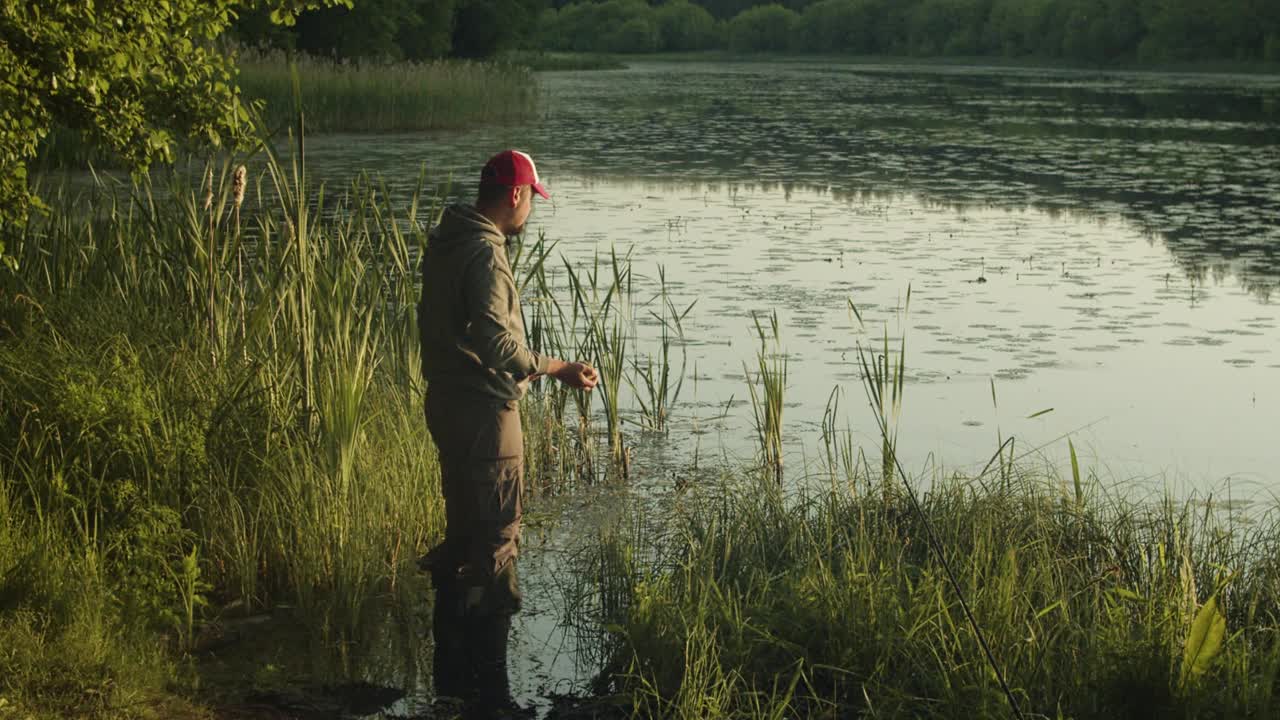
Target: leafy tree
x,y
432,36
685,26
728,9
637,35
612,26
949,27
484,27
132,76
842,26
765,28
1017,27
367,29
382,29
1100,30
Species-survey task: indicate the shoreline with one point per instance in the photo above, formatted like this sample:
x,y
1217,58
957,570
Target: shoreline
x,y
1208,67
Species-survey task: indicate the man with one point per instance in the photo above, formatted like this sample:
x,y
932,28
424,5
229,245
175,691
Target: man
x,y
477,366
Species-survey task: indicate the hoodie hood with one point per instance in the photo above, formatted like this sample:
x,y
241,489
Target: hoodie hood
x,y
463,224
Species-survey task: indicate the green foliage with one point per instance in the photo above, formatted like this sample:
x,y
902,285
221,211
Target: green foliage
x,y
947,27
372,97
133,77
683,25
845,26
1089,31
623,26
1204,643
483,28
400,29
1019,27
181,423
376,29
765,28
1086,608
1099,30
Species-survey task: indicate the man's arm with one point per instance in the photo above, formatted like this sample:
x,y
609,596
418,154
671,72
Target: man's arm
x,y
494,309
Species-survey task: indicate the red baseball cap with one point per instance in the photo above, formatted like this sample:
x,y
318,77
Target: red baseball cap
x,y
512,167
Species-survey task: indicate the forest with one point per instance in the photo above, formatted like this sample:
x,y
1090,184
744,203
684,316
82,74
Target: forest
x,y
1090,31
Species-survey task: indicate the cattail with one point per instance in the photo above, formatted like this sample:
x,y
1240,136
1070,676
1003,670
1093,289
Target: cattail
x,y
208,188
237,186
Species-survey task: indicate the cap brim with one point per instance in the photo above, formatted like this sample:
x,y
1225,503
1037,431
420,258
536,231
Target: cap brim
x,y
538,188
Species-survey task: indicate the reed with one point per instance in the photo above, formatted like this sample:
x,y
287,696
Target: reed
x,y
661,382
603,302
388,97
556,331
884,380
199,406
767,391
762,603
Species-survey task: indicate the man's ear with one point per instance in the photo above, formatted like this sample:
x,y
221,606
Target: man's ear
x,y
515,195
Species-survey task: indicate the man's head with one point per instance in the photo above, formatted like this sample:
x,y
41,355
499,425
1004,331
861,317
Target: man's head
x,y
507,184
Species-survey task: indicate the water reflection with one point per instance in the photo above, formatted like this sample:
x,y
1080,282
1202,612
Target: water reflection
x,y
1188,158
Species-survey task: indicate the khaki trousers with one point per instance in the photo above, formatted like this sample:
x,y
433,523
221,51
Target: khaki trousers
x,y
482,476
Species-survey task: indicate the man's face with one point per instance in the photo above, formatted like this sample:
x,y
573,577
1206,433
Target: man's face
x,y
524,207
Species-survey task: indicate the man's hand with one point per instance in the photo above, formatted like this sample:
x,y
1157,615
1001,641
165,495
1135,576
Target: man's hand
x,y
580,376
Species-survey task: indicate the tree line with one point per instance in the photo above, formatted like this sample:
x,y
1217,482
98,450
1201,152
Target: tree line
x,y
1098,31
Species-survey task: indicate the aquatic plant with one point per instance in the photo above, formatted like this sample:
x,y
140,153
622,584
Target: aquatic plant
x,y
1113,608
387,97
767,392
661,382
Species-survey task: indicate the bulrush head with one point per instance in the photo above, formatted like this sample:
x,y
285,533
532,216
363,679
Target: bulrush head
x,y
237,185
208,188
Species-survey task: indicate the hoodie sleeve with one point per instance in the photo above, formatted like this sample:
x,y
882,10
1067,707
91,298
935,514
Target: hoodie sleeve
x,y
493,312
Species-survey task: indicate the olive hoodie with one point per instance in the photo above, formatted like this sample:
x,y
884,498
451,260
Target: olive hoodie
x,y
469,319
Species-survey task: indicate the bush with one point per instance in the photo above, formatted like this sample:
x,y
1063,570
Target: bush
x,y
766,28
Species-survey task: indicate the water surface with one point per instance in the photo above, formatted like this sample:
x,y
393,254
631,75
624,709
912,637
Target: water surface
x,y
1096,250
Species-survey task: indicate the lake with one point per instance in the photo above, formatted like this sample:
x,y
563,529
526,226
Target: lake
x,y
1102,244
1090,256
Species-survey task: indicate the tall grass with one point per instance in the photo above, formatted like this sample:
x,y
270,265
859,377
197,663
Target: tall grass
x,y
767,392
756,601
203,412
389,97
660,381
354,97
830,605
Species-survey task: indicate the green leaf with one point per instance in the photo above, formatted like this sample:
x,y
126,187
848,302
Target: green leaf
x,y
1075,473
1204,642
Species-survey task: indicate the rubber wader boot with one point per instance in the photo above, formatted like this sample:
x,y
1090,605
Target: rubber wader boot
x,y
488,628
489,635
451,668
